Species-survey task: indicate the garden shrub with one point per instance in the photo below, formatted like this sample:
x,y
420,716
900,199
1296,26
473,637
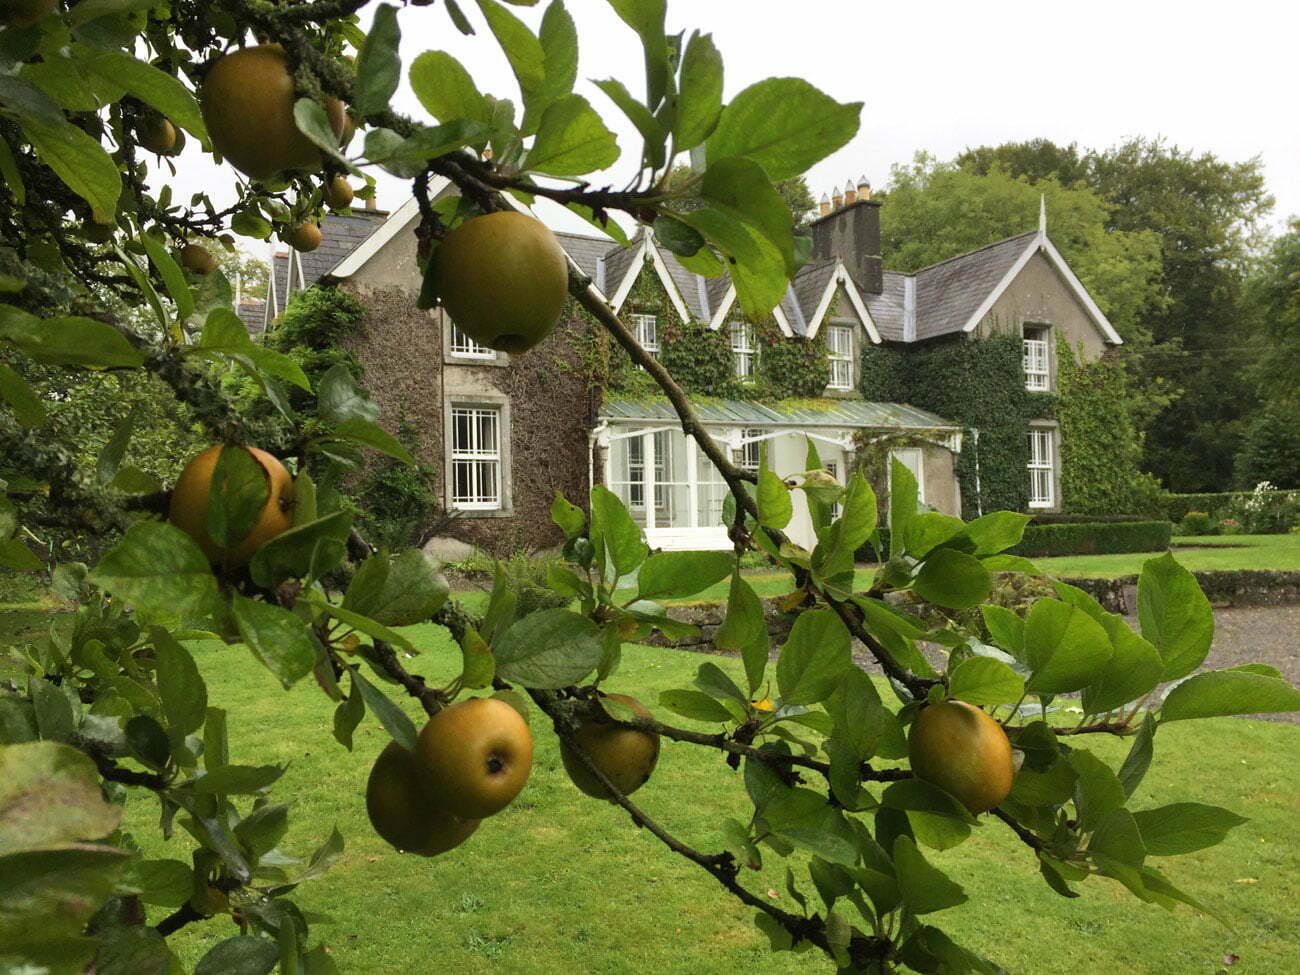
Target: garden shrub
x,y
1198,523
1265,511
1094,538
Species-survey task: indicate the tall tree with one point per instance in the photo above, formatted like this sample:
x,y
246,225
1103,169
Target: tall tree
x,y
1036,159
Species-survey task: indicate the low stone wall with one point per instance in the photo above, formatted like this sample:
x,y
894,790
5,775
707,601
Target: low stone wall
x,y
708,617
1111,593
1250,587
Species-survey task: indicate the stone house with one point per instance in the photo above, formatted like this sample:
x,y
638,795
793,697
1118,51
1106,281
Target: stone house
x,y
506,432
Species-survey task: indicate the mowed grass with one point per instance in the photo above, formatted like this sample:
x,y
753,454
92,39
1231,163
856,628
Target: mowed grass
x,y
1195,552
562,883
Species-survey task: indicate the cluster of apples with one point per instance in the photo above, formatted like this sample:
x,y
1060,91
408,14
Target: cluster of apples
x,y
473,758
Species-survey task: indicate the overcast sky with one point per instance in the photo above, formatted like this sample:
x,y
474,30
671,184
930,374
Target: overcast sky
x,y
943,76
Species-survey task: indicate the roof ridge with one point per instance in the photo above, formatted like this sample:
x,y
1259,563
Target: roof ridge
x,y
958,257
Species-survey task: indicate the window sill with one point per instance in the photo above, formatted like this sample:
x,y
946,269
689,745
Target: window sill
x,y
482,512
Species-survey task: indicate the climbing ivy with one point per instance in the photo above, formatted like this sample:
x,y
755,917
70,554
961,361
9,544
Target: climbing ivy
x,y
1100,447
699,357
979,384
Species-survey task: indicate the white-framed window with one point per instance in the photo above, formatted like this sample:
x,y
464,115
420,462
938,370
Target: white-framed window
x,y
476,458
833,468
464,347
839,350
1042,475
1038,375
744,349
636,471
750,455
646,330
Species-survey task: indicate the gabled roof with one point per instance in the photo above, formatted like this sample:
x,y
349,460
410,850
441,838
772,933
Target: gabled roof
x,y
252,312
341,235
954,295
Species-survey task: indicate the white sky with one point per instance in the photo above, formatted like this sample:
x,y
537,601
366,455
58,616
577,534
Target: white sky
x,y
943,76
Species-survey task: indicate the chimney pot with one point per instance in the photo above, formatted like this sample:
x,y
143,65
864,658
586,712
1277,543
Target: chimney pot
x,y
864,188
837,200
850,194
372,204
824,207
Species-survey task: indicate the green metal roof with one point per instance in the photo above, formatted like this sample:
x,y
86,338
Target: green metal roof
x,y
786,413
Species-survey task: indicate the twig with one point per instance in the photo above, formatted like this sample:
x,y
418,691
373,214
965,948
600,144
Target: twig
x,y
430,698
1029,839
177,919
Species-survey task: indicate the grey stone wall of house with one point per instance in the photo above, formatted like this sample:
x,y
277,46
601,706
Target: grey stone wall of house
x,y
1039,295
942,490
401,348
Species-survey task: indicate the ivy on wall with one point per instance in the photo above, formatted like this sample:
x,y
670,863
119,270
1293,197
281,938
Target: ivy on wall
x,y
980,384
1100,447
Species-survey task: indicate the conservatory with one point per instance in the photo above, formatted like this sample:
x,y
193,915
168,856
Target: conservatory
x,y
676,494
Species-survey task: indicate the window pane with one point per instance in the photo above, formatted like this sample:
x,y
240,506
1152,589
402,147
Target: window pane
x,y
476,457
464,346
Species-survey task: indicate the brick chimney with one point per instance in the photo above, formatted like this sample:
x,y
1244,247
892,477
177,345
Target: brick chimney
x,y
852,233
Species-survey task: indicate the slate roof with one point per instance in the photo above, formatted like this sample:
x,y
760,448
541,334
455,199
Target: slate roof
x,y
341,234
585,251
950,292
788,413
252,312
887,308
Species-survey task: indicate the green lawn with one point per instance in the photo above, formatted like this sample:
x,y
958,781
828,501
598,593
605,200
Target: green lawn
x,y
562,883
1195,552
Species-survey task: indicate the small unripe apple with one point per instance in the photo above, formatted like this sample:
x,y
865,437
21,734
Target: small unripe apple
x,y
624,755
402,811
156,134
198,259
305,237
959,748
338,193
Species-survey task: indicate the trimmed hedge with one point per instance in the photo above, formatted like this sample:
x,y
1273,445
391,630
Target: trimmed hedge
x,y
1178,505
1058,519
1096,538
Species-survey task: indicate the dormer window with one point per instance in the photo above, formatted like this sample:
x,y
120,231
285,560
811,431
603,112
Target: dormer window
x,y
464,347
646,330
839,350
744,350
1038,375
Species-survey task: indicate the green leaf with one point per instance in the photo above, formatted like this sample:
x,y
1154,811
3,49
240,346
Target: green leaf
x,y
158,567
50,795
699,98
277,637
241,780
1184,827
775,508
783,124
446,90
548,649
110,458
224,334
1175,615
70,341
1221,692
744,630
165,883
808,821
571,140
239,492
924,888
371,435
20,396
172,275
1118,838
1098,792
79,161
917,795
996,532
240,955
929,530
902,503
1006,628
263,828
816,656
14,554
156,88
857,713
713,680
306,550
379,65
740,187
614,531
364,624
1139,756
1065,648
568,517
646,17
522,49
410,591
1132,671
953,579
695,705
249,223
390,715
180,685
348,715
652,132
51,895
559,39
478,666
339,397
758,268
314,123
147,741
679,574
985,681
